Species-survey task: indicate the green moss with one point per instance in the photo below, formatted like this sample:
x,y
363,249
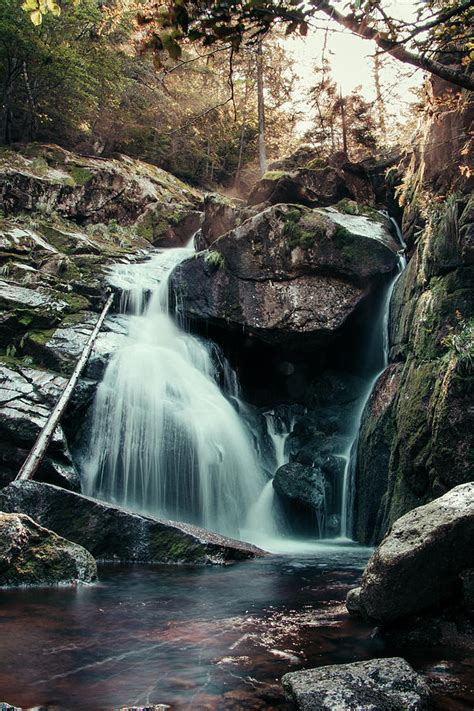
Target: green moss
x,y
39,166
316,164
79,174
76,302
40,338
214,259
300,233
275,174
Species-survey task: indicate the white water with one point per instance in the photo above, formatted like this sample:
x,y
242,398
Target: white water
x,y
165,440
347,498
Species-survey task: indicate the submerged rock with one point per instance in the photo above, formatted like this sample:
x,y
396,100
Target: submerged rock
x,y
419,562
111,533
377,684
32,555
287,273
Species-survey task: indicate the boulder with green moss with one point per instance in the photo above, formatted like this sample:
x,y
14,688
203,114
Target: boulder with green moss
x,y
287,273
32,555
113,534
50,179
317,183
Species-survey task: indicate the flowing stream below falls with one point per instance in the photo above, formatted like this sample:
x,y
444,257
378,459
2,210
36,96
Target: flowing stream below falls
x,y
196,638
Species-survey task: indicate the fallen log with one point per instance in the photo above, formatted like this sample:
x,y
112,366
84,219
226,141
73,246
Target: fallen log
x,y
39,448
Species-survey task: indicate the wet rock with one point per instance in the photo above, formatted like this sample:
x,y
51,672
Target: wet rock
x,y
373,456
304,493
317,184
376,684
467,577
27,396
286,274
306,485
32,555
114,534
221,215
418,564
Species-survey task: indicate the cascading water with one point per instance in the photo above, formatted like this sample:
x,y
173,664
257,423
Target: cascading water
x,y
165,440
278,430
347,498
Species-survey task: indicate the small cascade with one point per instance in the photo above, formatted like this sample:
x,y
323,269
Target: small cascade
x,y
165,440
278,430
267,507
383,320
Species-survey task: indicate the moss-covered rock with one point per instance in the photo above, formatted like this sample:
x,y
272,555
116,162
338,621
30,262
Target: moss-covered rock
x,y
422,445
113,534
287,273
32,555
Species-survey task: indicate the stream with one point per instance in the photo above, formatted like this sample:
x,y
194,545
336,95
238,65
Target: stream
x,y
206,639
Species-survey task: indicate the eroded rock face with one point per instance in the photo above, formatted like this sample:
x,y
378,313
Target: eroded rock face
x,y
113,534
376,684
32,555
26,399
288,272
419,562
99,190
416,442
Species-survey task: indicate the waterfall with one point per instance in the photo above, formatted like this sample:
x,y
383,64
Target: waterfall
x,y
165,440
383,320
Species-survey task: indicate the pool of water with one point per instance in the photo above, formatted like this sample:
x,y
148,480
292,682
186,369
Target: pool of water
x,y
193,638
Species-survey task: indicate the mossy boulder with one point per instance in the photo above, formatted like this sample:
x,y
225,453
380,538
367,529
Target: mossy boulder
x,y
110,533
32,555
49,179
317,183
287,272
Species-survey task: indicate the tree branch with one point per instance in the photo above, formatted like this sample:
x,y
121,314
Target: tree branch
x,y
394,48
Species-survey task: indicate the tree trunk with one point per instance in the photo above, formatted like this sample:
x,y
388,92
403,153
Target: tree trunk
x,y
344,125
262,149
379,102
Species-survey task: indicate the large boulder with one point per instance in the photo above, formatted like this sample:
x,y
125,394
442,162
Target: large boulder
x,y
419,562
373,685
98,190
287,274
113,534
32,555
318,183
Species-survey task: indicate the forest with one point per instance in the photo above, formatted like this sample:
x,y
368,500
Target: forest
x,y
237,355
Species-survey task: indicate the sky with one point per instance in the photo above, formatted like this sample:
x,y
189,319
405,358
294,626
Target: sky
x,y
351,62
